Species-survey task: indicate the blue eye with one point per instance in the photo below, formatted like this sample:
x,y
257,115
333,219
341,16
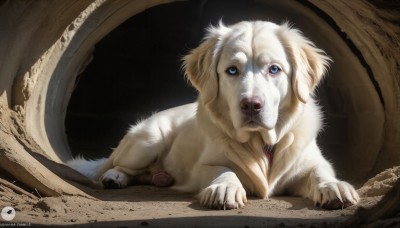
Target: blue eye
x,y
274,69
232,70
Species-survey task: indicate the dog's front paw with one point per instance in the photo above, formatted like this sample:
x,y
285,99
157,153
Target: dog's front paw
x,y
335,195
114,179
225,196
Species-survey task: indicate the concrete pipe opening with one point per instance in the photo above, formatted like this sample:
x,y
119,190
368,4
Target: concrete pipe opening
x,y
86,70
135,71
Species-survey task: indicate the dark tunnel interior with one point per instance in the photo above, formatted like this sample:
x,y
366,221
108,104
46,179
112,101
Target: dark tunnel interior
x,y
136,71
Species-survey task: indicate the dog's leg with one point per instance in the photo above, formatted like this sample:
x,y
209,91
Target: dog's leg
x,y
328,192
321,186
224,189
131,160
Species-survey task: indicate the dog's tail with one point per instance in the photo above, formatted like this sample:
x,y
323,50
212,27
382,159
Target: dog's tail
x,y
89,168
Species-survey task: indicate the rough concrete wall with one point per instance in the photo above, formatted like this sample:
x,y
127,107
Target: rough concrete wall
x,y
35,38
28,31
374,28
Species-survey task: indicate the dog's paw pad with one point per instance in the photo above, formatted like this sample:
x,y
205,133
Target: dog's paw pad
x,y
223,196
110,184
335,195
113,179
162,179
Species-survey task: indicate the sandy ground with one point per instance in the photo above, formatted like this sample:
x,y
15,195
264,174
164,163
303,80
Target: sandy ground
x,y
160,207
149,206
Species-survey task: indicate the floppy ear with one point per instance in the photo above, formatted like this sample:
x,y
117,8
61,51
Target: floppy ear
x,y
309,63
200,65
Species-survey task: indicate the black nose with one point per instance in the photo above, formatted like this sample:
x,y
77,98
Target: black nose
x,y
252,105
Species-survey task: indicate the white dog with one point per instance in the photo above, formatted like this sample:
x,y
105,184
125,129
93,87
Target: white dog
x,y
252,131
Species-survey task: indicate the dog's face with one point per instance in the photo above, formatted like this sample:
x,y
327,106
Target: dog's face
x,y
251,72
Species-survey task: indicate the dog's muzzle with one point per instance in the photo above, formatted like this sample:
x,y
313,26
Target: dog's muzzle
x,y
251,109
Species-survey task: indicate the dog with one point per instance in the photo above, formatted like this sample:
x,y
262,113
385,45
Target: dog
x,y
252,130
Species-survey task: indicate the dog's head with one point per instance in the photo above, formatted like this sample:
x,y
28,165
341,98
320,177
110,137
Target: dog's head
x,y
252,71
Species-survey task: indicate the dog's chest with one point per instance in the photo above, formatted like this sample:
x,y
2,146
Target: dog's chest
x,y
269,150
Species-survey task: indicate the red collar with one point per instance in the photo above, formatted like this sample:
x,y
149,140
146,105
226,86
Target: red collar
x,y
269,152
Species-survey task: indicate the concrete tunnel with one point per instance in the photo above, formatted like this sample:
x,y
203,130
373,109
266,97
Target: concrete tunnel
x,y
75,74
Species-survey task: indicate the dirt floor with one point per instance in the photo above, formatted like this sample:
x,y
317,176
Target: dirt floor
x,y
149,206
155,207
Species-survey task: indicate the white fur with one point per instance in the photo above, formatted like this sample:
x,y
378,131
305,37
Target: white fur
x,y
209,148
89,168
